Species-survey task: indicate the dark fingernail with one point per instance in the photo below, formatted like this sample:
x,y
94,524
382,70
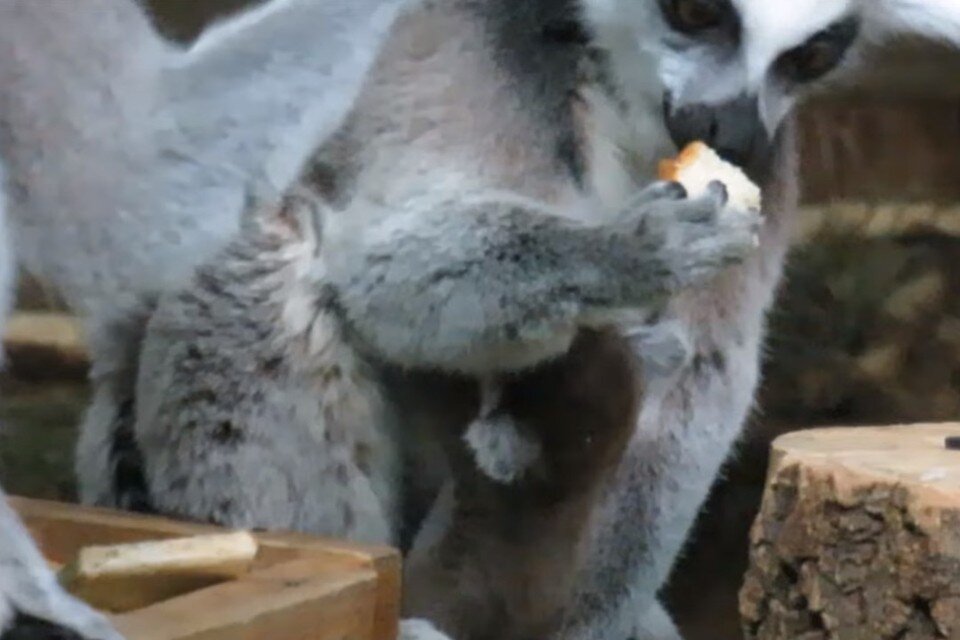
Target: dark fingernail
x,y
952,443
719,191
675,190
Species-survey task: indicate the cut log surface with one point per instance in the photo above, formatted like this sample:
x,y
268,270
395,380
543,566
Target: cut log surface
x,y
858,537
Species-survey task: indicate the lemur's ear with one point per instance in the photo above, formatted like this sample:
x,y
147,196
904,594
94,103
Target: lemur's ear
x,y
935,19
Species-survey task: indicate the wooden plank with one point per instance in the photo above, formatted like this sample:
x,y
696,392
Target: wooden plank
x,y
62,530
302,599
384,561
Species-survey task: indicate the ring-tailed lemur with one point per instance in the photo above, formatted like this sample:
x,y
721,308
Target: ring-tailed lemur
x,y
95,250
473,188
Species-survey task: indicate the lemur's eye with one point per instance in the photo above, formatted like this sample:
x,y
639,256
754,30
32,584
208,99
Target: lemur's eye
x,y
692,16
819,55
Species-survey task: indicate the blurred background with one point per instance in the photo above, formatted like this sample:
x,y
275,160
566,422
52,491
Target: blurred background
x,y
867,329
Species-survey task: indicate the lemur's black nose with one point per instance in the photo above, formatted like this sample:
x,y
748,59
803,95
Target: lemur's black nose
x,y
734,129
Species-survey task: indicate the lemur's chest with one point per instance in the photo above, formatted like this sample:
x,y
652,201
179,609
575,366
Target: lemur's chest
x,y
621,119
474,96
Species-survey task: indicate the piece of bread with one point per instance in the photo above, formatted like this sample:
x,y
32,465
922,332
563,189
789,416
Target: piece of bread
x,y
125,577
698,165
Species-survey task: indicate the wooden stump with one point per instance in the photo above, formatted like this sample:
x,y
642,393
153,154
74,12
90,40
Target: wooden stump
x,y
858,538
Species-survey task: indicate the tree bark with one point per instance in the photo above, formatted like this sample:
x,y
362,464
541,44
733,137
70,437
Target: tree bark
x,y
858,538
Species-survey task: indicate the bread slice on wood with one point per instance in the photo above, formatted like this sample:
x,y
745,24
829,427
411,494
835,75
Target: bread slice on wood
x,y
698,165
125,577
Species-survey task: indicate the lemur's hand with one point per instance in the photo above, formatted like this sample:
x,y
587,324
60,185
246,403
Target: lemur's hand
x,y
684,241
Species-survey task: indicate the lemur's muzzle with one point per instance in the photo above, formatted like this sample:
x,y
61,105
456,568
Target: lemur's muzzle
x,y
734,129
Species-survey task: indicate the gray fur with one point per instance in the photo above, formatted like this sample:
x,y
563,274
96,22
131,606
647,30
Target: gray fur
x,y
104,97
412,260
415,629
27,586
447,249
687,426
251,410
124,168
500,283
144,110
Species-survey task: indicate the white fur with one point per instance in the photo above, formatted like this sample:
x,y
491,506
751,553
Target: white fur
x,y
637,34
939,19
420,630
500,450
773,27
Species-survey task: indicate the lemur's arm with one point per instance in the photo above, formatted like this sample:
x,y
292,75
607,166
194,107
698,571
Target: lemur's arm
x,y
500,283
128,157
268,86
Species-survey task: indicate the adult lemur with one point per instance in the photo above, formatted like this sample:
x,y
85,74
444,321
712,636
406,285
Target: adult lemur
x,y
82,226
487,214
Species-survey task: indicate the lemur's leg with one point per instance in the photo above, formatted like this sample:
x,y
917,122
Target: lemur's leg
x,y
31,600
252,410
497,561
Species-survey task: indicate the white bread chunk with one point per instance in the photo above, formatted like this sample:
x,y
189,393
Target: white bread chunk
x,y
125,577
698,165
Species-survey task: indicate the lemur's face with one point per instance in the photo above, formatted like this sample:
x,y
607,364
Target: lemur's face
x,y
729,71
771,50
